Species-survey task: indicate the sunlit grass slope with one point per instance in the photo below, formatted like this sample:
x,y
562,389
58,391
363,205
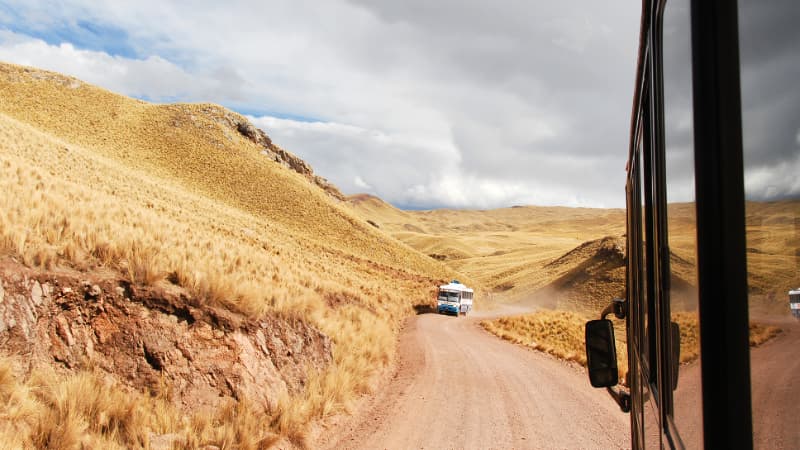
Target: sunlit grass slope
x,y
193,145
96,181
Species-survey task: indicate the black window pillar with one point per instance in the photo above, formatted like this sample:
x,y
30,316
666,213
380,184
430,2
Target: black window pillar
x,y
722,272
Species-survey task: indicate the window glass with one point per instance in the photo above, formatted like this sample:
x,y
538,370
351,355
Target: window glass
x,y
681,223
652,422
650,425
769,42
644,341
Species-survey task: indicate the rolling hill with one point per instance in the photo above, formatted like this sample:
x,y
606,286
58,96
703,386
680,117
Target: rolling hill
x,y
175,250
553,256
507,250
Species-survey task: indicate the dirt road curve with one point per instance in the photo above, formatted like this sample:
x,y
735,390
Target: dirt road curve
x,y
460,387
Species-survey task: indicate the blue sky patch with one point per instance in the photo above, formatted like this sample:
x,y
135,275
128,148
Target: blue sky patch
x,y
83,34
255,112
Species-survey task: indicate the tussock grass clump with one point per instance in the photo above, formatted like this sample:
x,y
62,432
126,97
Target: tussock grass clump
x,y
690,335
56,211
760,333
90,410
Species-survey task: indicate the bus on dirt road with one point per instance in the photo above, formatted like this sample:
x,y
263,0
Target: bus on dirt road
x,y
454,298
703,138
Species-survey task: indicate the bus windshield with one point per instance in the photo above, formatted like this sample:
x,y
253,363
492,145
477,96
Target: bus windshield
x,y
448,296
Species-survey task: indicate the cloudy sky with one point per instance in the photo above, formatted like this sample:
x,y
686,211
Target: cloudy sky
x,y
424,103
769,42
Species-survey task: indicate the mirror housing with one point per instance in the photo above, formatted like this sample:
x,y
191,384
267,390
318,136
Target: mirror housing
x,y
601,353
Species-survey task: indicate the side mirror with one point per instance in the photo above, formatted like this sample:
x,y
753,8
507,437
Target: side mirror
x,y
601,353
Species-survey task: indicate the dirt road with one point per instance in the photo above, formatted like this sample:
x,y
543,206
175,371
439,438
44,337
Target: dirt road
x,y
775,383
459,387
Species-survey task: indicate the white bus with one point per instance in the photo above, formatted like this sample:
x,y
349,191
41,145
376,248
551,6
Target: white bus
x,y
794,302
454,298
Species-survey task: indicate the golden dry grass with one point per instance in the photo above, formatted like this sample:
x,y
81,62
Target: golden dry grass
x,y
690,334
89,410
191,146
96,181
559,333
562,334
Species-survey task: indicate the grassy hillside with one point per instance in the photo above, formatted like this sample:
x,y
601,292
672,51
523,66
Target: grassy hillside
x,y
178,195
194,145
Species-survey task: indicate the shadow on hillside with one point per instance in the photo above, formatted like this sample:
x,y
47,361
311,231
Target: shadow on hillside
x,y
424,308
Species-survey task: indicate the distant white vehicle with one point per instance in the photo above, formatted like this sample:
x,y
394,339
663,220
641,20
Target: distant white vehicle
x,y
454,298
794,302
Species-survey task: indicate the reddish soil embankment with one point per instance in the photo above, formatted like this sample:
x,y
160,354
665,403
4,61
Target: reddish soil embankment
x,y
151,338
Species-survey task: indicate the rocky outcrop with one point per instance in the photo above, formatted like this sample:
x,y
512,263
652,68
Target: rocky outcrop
x,y
234,121
150,336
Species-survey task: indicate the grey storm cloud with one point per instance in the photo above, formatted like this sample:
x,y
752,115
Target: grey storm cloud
x,y
770,54
770,67
770,57
532,92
